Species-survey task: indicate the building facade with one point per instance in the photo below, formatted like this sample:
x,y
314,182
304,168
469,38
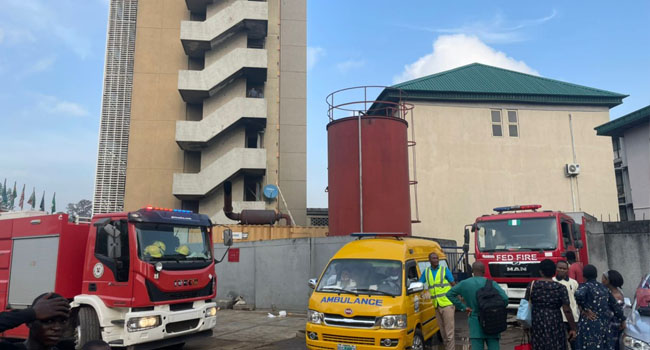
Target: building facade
x,y
488,137
217,93
631,144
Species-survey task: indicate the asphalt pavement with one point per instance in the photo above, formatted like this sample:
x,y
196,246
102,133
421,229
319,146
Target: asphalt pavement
x,y
255,330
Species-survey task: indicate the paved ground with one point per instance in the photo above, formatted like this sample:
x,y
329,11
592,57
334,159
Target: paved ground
x,y
255,330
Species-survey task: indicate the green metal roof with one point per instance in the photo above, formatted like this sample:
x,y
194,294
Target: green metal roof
x,y
480,83
618,125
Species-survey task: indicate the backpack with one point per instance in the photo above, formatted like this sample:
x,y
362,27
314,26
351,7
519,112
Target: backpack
x,y
492,314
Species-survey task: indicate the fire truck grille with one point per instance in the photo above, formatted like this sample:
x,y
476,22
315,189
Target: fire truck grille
x,y
181,326
514,270
156,294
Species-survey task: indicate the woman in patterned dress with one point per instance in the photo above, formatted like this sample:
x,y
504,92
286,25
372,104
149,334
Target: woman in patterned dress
x,y
597,304
613,280
549,299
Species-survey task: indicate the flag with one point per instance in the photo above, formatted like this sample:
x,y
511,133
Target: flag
x,y
32,198
22,198
42,206
13,196
5,200
54,203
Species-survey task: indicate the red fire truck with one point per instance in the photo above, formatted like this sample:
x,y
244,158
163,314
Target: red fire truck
x,y
139,279
512,242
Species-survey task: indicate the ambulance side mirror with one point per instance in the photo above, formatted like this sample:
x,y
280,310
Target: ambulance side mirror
x,y
227,237
415,287
312,283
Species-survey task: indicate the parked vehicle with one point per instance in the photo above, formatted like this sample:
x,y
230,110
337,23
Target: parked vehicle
x,y
637,332
142,278
369,296
512,242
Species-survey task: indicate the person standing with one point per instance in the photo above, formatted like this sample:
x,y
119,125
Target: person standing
x,y
613,280
439,281
468,289
597,304
562,277
549,300
575,267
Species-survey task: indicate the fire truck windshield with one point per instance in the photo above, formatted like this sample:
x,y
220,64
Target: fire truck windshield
x,y
517,235
172,242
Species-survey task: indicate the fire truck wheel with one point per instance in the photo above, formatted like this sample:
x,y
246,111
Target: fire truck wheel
x,y
88,328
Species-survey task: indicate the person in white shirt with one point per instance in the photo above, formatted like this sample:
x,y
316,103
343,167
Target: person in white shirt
x,y
562,277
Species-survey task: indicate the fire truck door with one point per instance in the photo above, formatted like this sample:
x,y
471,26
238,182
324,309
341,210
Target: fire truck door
x,y
111,263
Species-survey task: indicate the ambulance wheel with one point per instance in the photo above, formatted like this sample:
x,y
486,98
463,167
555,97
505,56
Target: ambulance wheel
x,y
418,340
88,328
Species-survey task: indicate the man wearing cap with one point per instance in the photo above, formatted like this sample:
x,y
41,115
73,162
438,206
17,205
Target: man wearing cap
x,y
439,281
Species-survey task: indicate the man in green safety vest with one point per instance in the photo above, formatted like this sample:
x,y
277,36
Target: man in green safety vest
x,y
439,281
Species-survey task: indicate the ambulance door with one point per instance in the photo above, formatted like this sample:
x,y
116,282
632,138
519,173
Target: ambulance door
x,y
428,313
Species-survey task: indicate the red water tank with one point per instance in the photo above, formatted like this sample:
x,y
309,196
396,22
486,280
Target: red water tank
x,y
382,175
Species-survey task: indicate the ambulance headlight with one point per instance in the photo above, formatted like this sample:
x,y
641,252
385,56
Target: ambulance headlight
x,y
136,324
632,343
314,317
393,322
211,311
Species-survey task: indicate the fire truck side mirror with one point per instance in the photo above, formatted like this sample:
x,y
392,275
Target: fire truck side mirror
x,y
227,237
467,230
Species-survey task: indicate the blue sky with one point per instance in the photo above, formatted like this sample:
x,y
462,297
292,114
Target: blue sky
x,y
52,59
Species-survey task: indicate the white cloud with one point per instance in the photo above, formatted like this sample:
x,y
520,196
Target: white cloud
x,y
41,65
451,51
348,65
314,53
497,30
34,20
55,106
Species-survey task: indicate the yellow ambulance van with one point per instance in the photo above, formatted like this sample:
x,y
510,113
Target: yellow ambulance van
x,y
370,296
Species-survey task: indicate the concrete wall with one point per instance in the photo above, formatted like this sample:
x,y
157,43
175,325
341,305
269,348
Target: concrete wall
x,y
637,154
464,171
275,273
621,246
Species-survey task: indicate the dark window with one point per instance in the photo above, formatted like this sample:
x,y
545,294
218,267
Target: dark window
x,y
623,211
254,90
252,188
411,273
255,43
496,123
192,205
616,144
112,248
513,125
252,139
566,234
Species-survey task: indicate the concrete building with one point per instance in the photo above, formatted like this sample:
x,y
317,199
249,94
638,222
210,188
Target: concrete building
x,y
631,143
197,92
489,137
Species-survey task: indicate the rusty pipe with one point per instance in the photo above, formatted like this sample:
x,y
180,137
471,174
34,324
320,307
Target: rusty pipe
x,y
227,202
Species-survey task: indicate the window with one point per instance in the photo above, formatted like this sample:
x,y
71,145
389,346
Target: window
x,y
252,188
616,143
112,248
513,127
496,123
254,90
411,273
255,43
566,234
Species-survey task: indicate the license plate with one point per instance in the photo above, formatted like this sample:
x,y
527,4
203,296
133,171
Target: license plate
x,y
346,347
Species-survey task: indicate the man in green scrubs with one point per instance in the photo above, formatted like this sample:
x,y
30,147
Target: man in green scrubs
x,y
467,289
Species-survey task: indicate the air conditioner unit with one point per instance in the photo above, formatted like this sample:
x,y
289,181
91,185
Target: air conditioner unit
x,y
572,169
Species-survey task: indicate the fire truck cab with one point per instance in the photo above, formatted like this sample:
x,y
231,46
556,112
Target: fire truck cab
x,y
512,242
135,279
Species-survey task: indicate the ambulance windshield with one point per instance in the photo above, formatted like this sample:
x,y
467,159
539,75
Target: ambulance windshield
x,y
172,242
362,276
517,235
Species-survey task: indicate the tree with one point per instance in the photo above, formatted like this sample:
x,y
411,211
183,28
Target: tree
x,y
83,209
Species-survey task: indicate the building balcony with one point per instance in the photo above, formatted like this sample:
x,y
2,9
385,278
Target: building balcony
x,y
251,16
196,85
198,6
195,186
193,135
